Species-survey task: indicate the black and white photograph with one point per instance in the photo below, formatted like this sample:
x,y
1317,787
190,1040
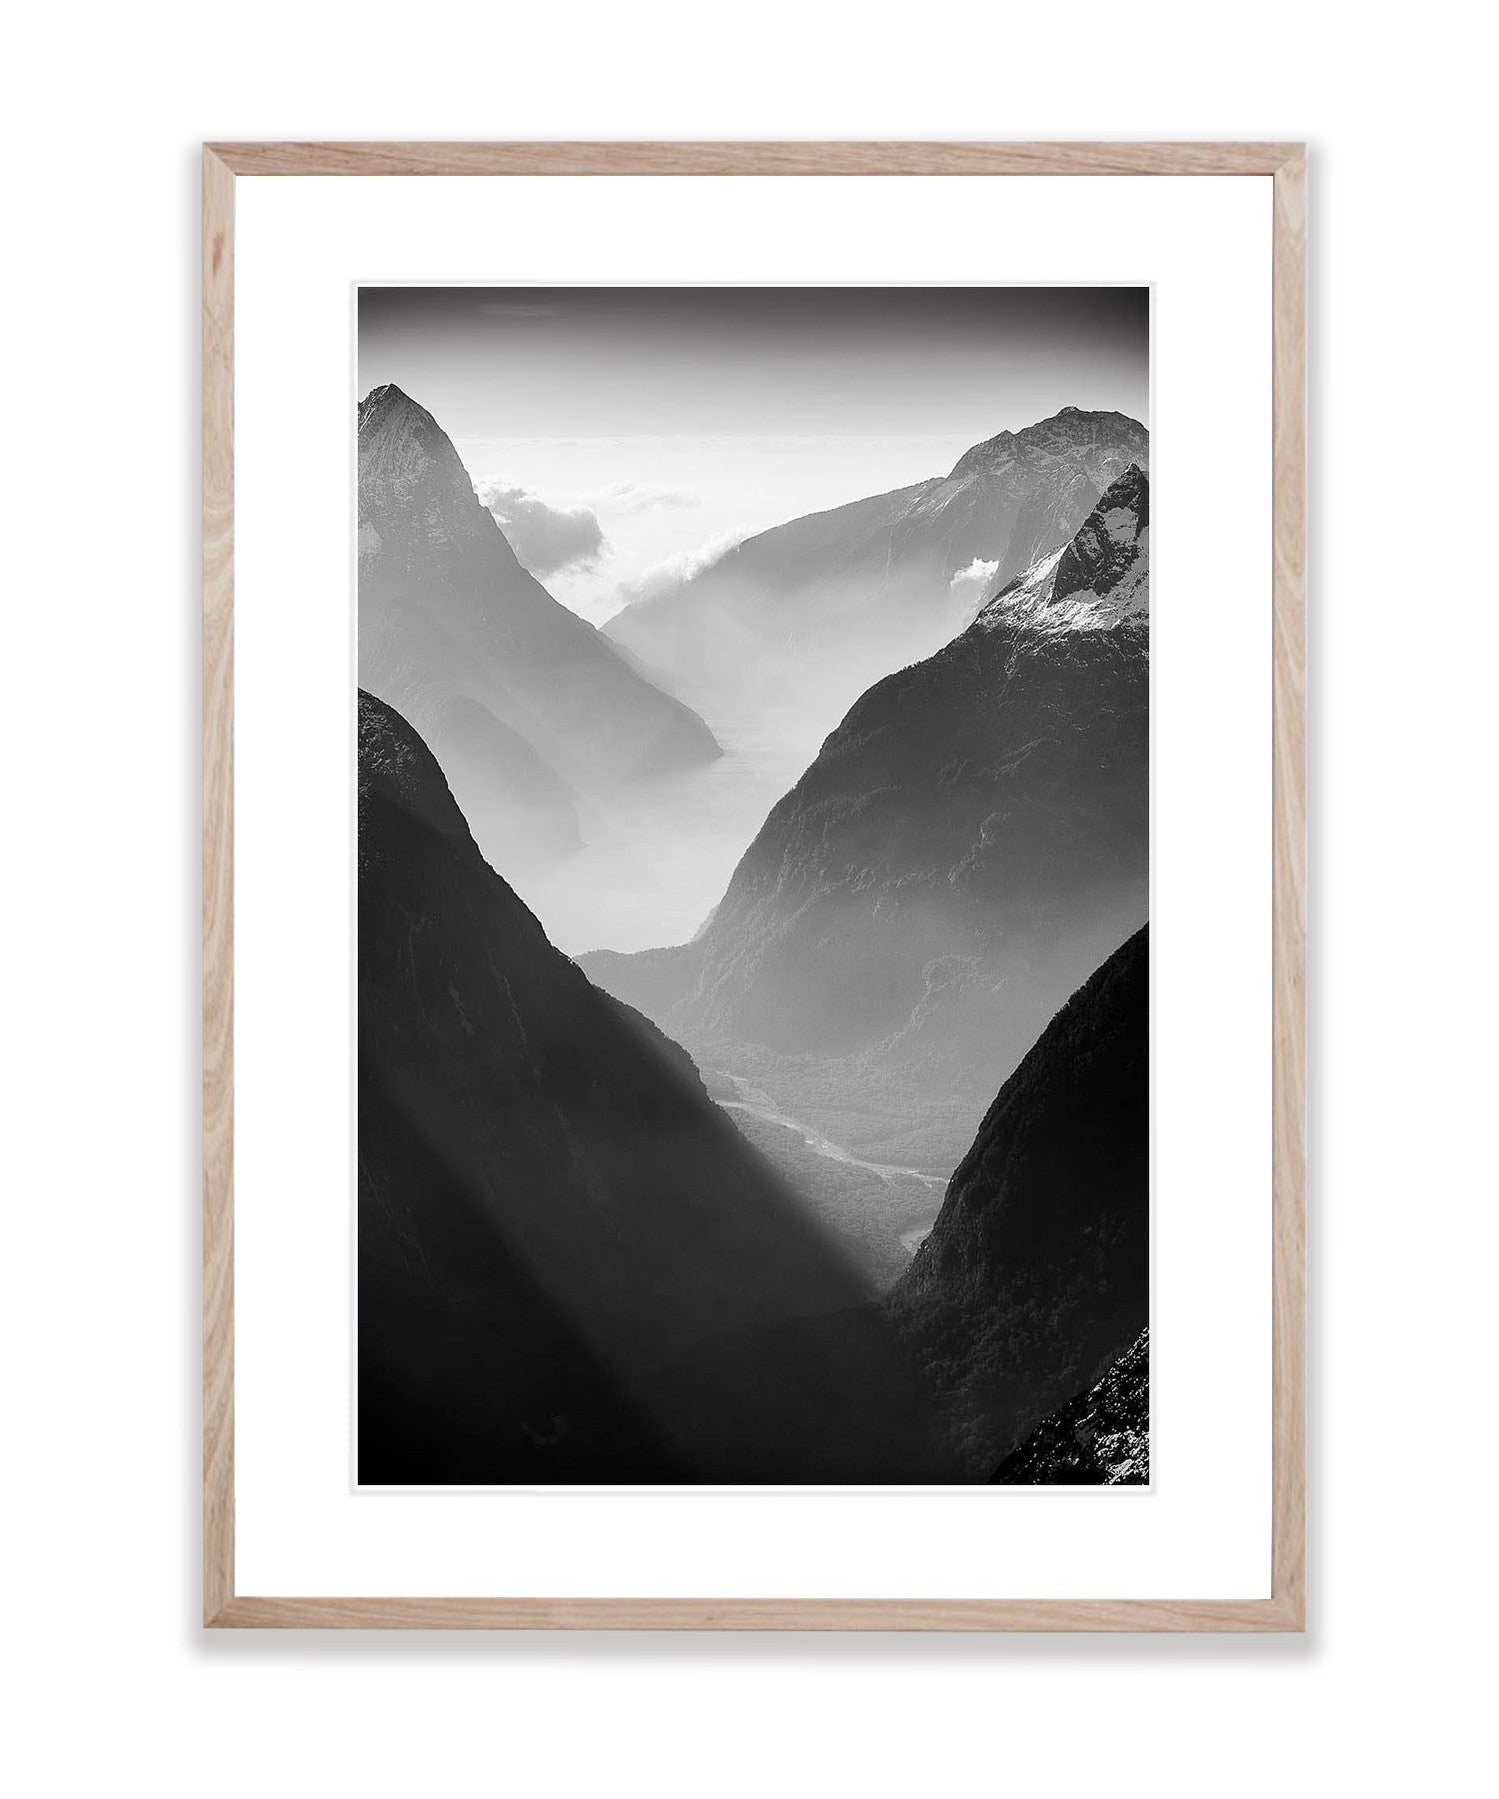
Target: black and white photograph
x,y
717,1088
753,880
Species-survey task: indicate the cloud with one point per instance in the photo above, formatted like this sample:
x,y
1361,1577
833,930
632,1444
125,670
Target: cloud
x,y
672,571
545,538
642,496
974,579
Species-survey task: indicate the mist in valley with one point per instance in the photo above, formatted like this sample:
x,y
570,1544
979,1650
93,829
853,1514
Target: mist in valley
x,y
656,853
656,856
653,865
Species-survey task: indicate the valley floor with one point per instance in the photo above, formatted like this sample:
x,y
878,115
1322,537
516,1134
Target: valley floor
x,y
879,1211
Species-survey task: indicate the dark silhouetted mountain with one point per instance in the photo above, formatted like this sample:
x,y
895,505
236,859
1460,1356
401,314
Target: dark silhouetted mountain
x,y
1099,1439
571,1265
1036,1275
828,603
968,845
526,705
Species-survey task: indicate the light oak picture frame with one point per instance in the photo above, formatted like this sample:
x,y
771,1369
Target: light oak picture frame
x,y
224,1606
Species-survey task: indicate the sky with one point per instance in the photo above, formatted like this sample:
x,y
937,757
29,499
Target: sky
x,y
622,436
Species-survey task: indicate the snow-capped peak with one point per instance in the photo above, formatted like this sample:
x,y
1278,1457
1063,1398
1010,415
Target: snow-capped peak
x,y
1095,582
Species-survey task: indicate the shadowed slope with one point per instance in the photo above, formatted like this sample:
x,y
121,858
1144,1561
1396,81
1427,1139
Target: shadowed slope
x,y
572,1266
1036,1273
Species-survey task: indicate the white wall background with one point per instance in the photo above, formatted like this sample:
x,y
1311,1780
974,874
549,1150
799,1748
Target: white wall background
x,y
112,1681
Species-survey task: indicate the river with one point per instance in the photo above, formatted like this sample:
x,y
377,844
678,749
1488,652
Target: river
x,y
757,1101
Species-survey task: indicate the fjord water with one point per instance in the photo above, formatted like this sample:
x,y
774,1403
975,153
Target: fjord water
x,y
658,855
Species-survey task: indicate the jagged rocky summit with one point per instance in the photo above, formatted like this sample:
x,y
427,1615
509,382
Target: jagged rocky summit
x,y
1098,580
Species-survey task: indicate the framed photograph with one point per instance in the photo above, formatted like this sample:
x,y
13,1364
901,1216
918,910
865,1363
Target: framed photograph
x,y
754,886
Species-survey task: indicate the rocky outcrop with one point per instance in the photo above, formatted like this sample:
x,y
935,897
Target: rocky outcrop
x,y
1099,1439
1098,580
1108,547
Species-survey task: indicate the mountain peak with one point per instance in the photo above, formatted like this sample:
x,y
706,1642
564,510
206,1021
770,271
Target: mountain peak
x,y
1076,430
1082,423
1097,580
1071,431
389,407
401,446
1109,558
456,631
988,454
